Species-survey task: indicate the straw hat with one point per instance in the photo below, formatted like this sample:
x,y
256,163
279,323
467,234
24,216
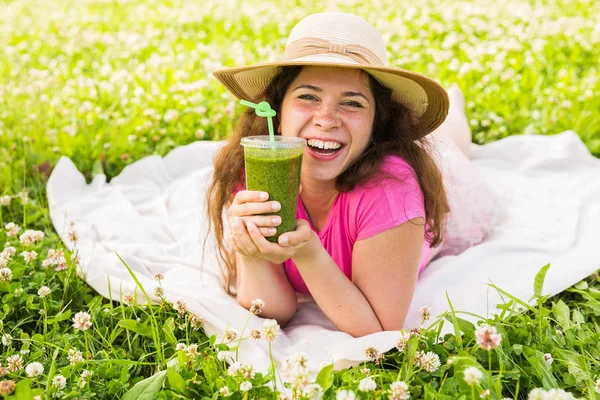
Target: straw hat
x,y
342,40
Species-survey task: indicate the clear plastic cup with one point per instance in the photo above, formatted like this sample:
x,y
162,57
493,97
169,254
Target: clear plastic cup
x,y
274,167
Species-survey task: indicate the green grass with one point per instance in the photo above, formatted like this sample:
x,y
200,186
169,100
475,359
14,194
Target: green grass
x,y
109,82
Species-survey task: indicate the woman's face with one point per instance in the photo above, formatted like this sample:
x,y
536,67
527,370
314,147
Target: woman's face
x,y
333,109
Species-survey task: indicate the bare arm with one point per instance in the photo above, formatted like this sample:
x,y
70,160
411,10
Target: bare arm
x,y
384,275
257,277
263,279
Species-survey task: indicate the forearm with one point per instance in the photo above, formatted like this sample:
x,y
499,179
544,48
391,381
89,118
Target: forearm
x,y
337,296
265,280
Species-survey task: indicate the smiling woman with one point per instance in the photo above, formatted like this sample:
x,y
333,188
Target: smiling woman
x,y
372,204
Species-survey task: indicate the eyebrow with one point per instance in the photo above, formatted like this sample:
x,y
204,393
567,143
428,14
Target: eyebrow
x,y
346,93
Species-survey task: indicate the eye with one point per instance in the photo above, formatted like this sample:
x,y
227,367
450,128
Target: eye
x,y
353,104
307,97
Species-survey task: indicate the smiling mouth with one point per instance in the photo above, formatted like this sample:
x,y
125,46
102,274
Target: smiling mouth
x,y
325,152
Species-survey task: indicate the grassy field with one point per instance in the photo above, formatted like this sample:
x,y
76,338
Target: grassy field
x,y
107,82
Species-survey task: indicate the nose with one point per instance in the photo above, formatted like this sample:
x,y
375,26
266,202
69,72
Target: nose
x,y
326,117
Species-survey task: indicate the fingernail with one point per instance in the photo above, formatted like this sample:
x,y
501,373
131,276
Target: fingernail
x,y
276,206
250,225
284,240
264,195
272,231
276,220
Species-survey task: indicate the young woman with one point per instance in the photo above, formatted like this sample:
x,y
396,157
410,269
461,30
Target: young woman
x,y
372,205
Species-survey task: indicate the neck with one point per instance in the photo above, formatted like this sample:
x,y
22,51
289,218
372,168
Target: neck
x,y
318,197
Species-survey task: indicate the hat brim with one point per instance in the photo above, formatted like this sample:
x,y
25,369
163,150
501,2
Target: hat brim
x,y
427,99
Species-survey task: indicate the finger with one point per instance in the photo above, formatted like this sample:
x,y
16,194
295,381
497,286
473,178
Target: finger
x,y
253,208
267,232
243,237
298,237
234,245
245,196
263,220
259,240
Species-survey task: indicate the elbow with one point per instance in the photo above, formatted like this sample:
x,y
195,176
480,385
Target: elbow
x,y
282,312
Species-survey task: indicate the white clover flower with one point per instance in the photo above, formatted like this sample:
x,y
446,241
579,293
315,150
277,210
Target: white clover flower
x,y
30,236
222,355
15,363
234,368
485,394
473,375
181,347
5,274
29,256
181,308
429,361
7,387
245,386
295,368
192,350
59,381
270,330
225,391
6,339
34,369
399,391
82,321
8,252
44,291
24,197
5,201
488,337
230,334
345,395
367,385
74,356
12,229
171,115
314,391
548,359
597,386
257,306
425,312
128,299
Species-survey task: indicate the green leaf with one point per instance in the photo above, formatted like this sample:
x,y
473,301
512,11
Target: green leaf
x,y
538,282
325,377
146,389
23,390
562,314
169,329
61,316
176,381
539,368
137,327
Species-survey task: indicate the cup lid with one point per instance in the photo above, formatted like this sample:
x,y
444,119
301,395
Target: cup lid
x,y
281,142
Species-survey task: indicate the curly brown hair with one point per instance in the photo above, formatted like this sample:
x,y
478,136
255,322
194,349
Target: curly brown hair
x,y
394,133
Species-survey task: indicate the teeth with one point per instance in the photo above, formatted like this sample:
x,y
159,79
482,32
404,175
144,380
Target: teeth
x,y
324,145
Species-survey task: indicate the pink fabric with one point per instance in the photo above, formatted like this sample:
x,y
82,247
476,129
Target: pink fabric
x,y
379,204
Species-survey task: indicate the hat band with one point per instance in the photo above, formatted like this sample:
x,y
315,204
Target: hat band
x,y
308,46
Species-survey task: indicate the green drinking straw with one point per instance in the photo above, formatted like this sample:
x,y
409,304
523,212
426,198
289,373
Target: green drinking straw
x,y
263,109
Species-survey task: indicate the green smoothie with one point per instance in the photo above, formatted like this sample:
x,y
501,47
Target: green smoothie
x,y
277,172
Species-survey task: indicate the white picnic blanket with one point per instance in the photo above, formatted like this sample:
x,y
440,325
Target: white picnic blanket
x,y
152,215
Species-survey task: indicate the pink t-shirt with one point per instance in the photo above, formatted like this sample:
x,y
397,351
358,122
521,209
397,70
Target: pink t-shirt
x,y
371,208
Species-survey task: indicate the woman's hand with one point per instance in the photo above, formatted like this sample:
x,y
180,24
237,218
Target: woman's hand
x,y
246,239
248,205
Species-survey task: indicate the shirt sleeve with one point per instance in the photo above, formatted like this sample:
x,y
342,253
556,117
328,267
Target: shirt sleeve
x,y
389,200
